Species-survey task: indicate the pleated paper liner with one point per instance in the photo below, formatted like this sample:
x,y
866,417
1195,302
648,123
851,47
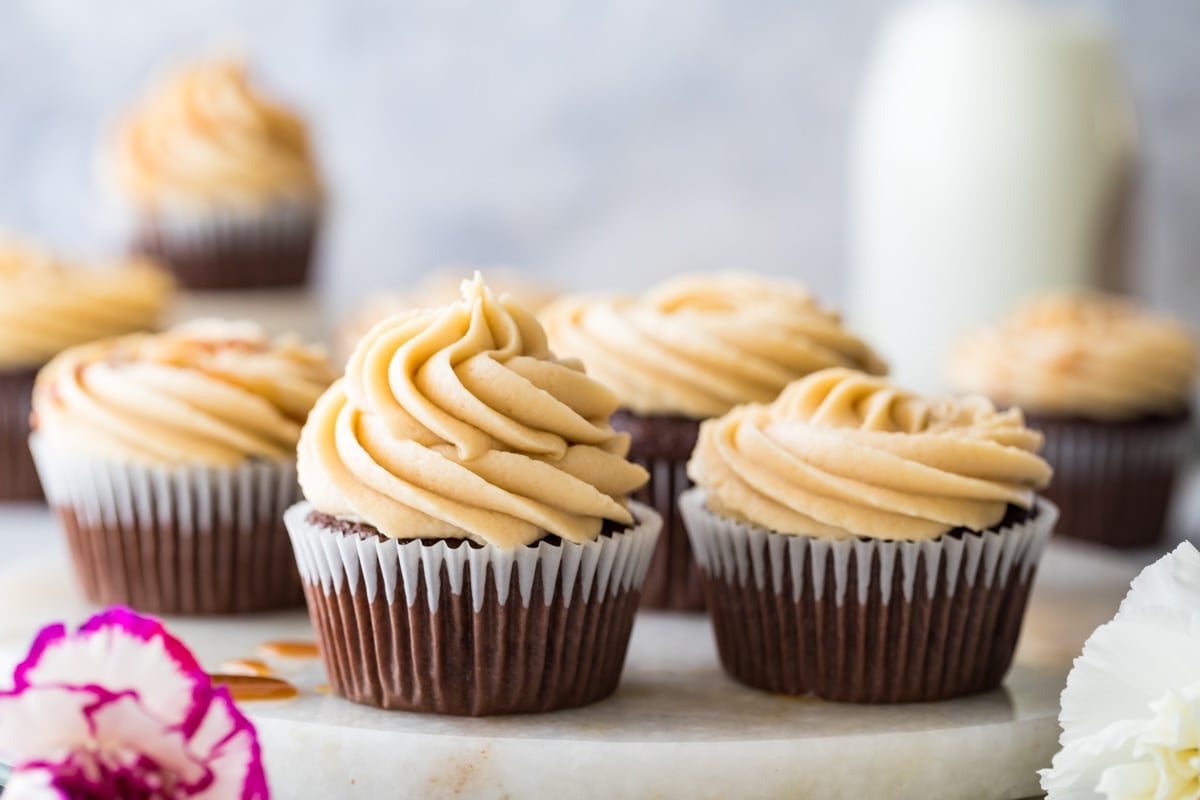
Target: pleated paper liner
x,y
231,250
866,621
663,444
1113,481
175,539
454,628
18,476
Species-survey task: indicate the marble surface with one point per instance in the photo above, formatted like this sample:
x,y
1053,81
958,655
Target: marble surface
x,y
675,728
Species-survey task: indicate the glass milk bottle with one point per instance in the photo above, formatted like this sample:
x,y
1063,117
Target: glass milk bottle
x,y
992,157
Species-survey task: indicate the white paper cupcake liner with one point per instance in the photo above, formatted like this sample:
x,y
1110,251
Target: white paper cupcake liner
x,y
270,225
740,552
398,568
1113,483
864,620
468,630
179,539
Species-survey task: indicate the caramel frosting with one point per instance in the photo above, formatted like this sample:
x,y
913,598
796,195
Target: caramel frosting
x,y
48,305
459,422
439,288
1086,355
842,454
209,392
700,344
205,137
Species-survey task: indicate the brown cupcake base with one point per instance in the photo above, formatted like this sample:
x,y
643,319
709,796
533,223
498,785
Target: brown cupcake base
x,y
663,444
505,658
18,475
1113,481
930,648
474,652
234,256
175,540
156,569
867,621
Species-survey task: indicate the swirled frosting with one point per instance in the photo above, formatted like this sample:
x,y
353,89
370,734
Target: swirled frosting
x,y
47,305
1092,356
842,454
209,392
459,422
205,138
439,288
700,344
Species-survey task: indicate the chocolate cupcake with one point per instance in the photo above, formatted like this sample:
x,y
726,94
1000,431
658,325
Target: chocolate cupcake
x,y
221,180
689,349
466,545
1110,386
863,544
46,306
170,459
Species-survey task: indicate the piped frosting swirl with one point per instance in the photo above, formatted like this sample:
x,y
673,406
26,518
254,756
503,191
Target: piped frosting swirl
x,y
209,392
48,305
206,138
1092,356
700,344
841,454
459,422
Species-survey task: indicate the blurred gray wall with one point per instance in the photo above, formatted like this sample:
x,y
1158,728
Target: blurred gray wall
x,y
599,143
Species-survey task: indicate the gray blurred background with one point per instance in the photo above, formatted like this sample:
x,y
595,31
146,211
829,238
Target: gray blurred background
x,y
598,143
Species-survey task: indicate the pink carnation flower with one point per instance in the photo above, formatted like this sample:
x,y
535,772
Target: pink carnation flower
x,y
121,709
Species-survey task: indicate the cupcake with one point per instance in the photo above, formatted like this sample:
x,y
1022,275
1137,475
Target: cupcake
x,y
169,460
466,545
863,544
47,305
221,180
689,349
438,288
1110,385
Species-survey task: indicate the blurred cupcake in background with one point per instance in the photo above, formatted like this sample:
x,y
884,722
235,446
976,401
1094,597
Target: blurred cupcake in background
x,y
170,458
689,349
866,544
221,179
1110,384
438,288
46,306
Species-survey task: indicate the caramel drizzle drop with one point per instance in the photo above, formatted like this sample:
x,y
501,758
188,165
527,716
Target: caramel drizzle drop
x,y
249,688
284,648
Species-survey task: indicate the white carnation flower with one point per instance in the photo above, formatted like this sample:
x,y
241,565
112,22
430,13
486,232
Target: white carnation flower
x,y
1131,710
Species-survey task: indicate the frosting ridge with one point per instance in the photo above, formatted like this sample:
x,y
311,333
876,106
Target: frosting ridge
x,y
1088,355
206,137
209,392
842,454
459,422
697,345
48,305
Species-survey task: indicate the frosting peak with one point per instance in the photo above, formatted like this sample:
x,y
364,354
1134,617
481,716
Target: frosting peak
x,y
459,422
205,393
48,305
842,454
1087,355
206,137
698,345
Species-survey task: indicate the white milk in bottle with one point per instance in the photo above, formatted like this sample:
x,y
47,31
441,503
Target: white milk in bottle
x,y
992,157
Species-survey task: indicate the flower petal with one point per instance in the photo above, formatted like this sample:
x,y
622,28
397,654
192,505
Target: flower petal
x,y
33,784
44,724
228,743
120,651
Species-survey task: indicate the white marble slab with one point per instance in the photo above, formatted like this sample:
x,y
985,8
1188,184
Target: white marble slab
x,y
676,728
